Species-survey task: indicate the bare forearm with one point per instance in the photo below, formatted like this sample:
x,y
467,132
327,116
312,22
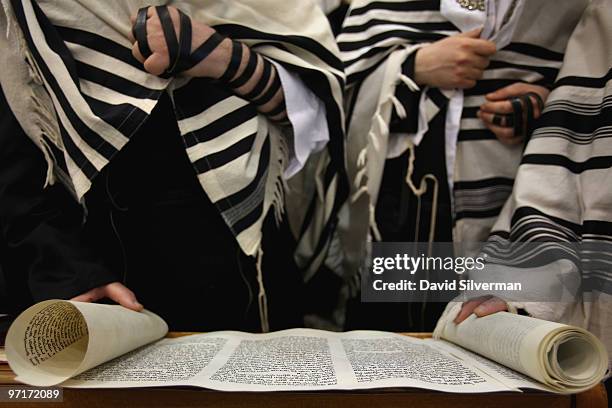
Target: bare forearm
x,y
248,74
255,78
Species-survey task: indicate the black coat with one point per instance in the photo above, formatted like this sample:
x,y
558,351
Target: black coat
x,y
149,224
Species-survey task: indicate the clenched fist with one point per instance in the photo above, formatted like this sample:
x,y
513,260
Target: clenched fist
x,y
454,62
213,66
498,104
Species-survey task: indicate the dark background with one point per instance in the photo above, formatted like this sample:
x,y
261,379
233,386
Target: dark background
x,y
3,308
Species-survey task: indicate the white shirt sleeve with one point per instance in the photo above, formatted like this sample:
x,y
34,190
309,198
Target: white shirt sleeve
x,y
308,117
329,5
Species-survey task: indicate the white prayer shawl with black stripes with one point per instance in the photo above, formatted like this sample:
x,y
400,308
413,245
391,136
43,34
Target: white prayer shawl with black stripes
x,y
563,189
377,38
82,96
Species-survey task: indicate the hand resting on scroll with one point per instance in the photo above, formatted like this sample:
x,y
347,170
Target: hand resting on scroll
x,y
481,306
116,292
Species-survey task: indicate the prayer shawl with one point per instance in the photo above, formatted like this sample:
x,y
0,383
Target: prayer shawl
x,y
377,38
81,96
563,192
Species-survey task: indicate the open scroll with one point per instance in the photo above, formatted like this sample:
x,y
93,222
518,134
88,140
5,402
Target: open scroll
x,y
99,346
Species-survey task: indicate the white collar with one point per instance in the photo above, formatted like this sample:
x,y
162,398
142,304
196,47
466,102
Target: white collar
x,y
462,18
496,26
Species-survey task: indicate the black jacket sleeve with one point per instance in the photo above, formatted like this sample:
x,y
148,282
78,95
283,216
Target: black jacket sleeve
x,y
41,228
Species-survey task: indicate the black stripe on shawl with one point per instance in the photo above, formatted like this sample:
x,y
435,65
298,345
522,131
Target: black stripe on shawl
x,y
98,43
114,115
575,122
491,182
420,5
216,160
594,163
238,197
535,51
585,82
413,36
237,32
115,82
205,91
524,212
77,155
475,134
433,26
220,126
550,73
252,217
479,214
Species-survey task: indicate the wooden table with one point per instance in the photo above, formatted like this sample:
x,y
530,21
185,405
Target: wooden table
x,y
187,397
